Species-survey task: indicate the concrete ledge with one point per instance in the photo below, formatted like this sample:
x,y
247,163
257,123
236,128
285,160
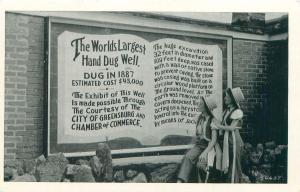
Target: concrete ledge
x,y
148,159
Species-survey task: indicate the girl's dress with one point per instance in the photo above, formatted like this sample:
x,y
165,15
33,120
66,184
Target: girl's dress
x,y
231,141
203,136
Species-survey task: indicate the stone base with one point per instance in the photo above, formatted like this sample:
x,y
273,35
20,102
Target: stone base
x,y
263,164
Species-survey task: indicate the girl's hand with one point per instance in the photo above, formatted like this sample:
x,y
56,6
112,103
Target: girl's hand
x,y
202,161
203,157
213,126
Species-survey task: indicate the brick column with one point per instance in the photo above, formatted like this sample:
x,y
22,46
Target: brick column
x,y
24,88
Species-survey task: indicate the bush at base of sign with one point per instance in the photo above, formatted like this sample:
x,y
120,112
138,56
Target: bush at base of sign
x,y
124,143
265,163
176,140
129,143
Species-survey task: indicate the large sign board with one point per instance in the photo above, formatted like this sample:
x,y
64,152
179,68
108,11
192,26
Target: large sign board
x,y
133,92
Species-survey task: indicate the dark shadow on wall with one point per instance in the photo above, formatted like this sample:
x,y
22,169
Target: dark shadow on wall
x,y
271,116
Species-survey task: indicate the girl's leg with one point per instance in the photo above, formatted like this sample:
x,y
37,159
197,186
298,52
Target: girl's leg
x,y
188,163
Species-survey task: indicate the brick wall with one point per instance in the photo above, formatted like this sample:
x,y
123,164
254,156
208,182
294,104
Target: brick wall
x,y
250,72
24,86
260,69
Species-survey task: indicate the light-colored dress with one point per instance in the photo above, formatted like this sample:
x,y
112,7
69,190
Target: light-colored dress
x,y
231,142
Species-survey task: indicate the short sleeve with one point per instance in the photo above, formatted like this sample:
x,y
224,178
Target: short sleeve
x,y
237,114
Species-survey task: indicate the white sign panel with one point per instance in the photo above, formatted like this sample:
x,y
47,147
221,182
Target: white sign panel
x,y
121,86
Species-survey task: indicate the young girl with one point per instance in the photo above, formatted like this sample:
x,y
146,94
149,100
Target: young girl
x,y
229,136
206,139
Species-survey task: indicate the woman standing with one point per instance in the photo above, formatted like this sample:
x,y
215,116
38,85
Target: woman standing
x,y
229,136
206,139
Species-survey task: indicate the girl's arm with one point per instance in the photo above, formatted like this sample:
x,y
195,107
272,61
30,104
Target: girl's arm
x,y
235,124
211,144
236,116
